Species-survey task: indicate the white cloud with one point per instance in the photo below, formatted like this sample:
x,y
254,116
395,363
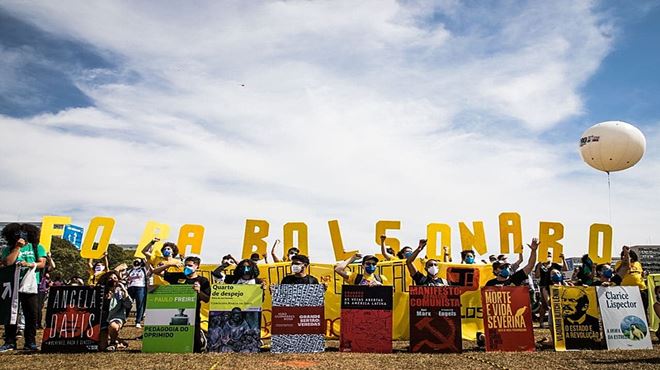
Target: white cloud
x,y
355,111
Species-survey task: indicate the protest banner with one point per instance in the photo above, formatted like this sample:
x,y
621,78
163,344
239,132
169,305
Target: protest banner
x,y
624,319
653,286
396,272
366,316
73,319
170,319
507,319
234,318
435,319
298,322
9,279
575,318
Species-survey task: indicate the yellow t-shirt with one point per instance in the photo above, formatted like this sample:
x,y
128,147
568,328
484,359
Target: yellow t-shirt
x,y
94,276
367,279
156,261
634,275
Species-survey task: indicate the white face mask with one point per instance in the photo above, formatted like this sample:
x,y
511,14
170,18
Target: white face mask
x,y
433,270
296,269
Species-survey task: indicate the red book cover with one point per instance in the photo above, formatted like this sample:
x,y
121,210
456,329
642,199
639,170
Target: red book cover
x,y
366,319
435,319
507,319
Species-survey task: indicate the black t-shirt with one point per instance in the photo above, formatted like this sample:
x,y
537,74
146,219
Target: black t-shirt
x,y
516,279
544,279
421,279
293,279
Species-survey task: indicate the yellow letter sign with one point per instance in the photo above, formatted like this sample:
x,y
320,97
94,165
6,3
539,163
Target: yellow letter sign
x,y
87,250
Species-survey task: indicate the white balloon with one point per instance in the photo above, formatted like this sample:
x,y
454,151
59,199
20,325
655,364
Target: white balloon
x,y
612,146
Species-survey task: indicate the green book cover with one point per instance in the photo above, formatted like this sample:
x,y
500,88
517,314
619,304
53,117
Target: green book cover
x,y
170,319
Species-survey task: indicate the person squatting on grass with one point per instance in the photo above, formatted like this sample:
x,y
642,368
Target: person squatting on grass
x,y
24,250
116,302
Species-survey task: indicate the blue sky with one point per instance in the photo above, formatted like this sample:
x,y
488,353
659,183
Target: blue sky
x,y
421,112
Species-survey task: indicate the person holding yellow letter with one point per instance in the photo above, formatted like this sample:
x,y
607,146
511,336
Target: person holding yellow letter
x,y
369,278
97,269
504,276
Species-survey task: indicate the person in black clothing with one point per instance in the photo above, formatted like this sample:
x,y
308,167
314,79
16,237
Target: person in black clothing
x,y
542,272
299,265
246,272
431,267
606,275
502,270
199,283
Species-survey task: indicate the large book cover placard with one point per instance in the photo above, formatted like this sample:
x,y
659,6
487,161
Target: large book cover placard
x,y
507,319
170,319
298,320
366,319
624,319
575,318
73,319
435,319
234,318
9,285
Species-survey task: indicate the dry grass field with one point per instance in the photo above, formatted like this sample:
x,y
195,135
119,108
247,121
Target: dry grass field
x,y
472,358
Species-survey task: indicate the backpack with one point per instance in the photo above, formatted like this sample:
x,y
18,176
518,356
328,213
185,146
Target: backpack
x,y
360,277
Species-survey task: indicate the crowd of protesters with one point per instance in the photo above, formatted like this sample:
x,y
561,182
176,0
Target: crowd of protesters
x,y
127,287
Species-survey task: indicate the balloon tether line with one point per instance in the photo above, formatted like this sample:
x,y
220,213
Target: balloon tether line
x,y
609,195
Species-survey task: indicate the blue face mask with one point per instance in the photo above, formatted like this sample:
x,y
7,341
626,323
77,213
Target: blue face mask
x,y
608,273
167,253
370,269
188,270
247,270
469,260
505,273
407,254
557,278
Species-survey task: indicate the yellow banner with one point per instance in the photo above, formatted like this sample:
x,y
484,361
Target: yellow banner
x,y
653,285
397,275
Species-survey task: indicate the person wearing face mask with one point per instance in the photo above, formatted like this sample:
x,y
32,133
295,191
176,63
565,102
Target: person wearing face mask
x,y
369,276
218,274
200,284
299,267
542,272
169,257
431,266
289,253
467,257
138,277
504,275
605,275
246,272
97,269
25,251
